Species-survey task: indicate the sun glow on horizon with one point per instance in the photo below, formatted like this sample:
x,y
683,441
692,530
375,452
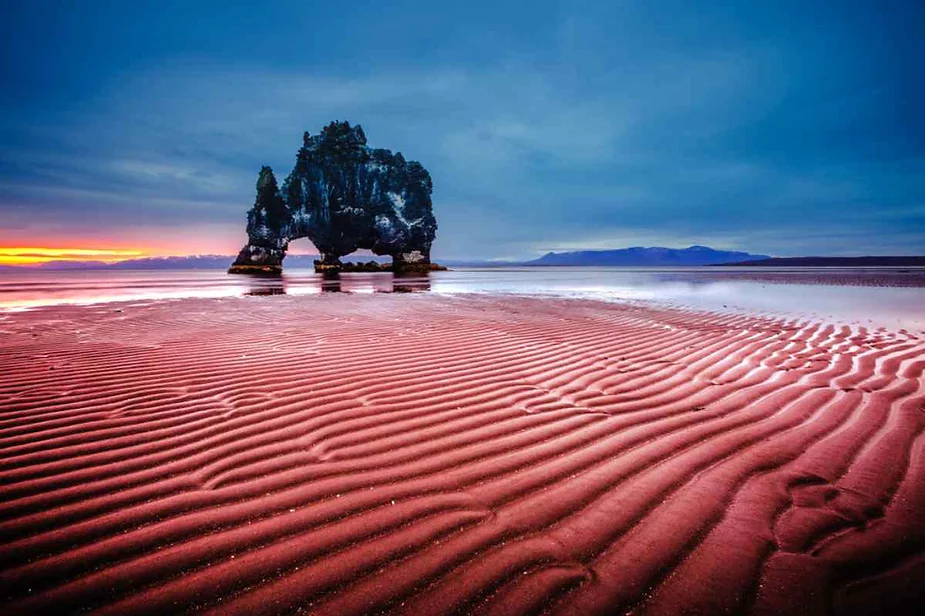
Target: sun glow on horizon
x,y
36,255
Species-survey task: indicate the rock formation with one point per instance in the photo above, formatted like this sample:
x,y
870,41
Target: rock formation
x,y
343,196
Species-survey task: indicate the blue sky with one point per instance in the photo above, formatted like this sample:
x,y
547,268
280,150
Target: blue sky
x,y
784,127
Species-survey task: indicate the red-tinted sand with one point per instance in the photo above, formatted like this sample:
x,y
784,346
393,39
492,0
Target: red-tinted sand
x,y
432,455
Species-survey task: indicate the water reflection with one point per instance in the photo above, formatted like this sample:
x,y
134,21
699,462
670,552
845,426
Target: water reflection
x,y
375,283
882,296
330,282
265,285
410,283
333,282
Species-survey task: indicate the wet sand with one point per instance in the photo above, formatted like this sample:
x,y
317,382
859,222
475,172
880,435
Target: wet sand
x,y
419,454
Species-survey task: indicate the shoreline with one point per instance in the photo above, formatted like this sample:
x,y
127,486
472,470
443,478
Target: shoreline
x,y
877,322
419,453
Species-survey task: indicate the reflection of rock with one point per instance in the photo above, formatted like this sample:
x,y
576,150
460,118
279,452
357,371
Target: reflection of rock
x,y
411,288
269,290
330,282
334,282
266,285
343,196
403,283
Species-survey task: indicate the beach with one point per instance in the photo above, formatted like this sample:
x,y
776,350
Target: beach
x,y
474,453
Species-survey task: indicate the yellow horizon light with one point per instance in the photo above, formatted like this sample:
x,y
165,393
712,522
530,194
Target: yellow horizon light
x,y
31,255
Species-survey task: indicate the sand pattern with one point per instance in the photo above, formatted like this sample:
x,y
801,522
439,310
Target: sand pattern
x,y
436,455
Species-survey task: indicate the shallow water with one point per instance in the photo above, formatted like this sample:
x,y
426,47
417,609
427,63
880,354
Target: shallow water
x,y
887,297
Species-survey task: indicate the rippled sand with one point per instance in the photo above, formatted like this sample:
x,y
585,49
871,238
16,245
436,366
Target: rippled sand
x,y
424,454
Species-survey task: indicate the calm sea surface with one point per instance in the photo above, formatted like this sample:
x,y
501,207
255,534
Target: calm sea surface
x,y
888,297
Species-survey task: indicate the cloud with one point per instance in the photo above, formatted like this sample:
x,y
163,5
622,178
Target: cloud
x,y
673,146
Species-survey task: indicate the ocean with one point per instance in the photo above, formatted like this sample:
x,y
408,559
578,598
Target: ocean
x,y
880,297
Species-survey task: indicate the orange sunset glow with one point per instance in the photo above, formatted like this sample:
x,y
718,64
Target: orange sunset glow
x,y
34,255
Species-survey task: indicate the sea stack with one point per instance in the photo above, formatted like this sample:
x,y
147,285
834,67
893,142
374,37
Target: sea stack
x,y
342,195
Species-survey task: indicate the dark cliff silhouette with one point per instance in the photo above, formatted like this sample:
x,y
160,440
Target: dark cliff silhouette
x,y
343,196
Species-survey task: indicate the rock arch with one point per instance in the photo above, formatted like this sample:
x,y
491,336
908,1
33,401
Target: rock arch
x,y
343,196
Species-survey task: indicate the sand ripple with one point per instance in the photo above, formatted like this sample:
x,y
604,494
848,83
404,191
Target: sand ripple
x,y
430,455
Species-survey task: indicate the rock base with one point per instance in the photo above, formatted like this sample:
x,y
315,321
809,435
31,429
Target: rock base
x,y
325,267
256,270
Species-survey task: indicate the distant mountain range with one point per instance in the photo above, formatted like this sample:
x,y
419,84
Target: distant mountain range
x,y
639,256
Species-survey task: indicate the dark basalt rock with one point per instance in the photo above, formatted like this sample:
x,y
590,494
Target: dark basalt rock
x,y
343,196
398,267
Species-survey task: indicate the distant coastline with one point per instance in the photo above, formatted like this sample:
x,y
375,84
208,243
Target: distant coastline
x,y
869,261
